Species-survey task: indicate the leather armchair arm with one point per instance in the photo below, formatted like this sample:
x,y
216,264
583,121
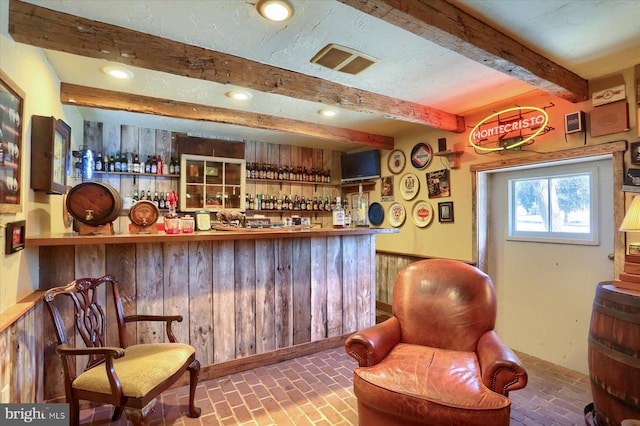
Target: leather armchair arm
x,y
371,345
501,369
168,318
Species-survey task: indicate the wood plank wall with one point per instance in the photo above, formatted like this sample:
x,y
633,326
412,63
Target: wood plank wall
x,y
110,138
27,366
238,298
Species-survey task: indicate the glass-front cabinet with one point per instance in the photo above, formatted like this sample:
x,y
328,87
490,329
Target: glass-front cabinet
x,y
211,183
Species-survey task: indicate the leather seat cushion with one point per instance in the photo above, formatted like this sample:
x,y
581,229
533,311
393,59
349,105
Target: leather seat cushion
x,y
142,368
432,385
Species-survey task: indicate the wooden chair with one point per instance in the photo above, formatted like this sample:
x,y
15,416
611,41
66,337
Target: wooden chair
x,y
130,377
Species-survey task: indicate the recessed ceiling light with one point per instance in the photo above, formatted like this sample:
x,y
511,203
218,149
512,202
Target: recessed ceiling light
x,y
328,112
117,72
275,10
239,95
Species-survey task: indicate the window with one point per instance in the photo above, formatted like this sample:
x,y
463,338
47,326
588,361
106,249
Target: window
x,y
558,208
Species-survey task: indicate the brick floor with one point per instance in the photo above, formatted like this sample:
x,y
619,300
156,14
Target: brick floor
x,y
317,390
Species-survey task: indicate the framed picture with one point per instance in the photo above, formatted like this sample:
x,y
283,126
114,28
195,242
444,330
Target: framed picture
x,y
386,189
438,184
11,120
445,211
14,237
635,153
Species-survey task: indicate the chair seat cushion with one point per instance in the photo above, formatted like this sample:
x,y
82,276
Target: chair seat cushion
x,y
430,385
142,368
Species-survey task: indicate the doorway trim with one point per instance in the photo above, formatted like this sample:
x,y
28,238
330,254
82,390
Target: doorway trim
x,y
479,176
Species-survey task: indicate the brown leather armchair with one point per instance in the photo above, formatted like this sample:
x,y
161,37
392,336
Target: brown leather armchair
x,y
437,361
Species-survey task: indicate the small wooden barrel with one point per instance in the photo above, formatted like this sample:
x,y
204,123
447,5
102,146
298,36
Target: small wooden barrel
x,y
144,213
614,354
94,203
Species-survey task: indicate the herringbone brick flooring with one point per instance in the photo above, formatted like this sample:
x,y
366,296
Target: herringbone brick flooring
x,y
317,390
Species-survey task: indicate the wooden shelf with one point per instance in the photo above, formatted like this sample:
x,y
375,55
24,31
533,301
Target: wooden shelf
x,y
355,186
451,154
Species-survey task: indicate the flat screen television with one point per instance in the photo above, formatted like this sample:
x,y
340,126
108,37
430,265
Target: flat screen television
x,y
360,165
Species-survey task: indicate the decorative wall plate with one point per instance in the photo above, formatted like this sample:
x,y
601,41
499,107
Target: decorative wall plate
x,y
421,155
396,161
397,214
376,214
422,213
409,186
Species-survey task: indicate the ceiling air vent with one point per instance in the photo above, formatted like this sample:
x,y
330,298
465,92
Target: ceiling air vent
x,y
343,59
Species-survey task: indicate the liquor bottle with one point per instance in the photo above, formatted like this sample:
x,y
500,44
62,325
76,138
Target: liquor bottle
x,y
136,197
251,205
162,201
338,215
148,195
147,165
159,165
136,163
112,164
142,166
129,163
98,163
172,167
117,165
156,200
177,166
154,166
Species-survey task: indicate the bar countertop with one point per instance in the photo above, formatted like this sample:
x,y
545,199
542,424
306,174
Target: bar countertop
x,y
72,238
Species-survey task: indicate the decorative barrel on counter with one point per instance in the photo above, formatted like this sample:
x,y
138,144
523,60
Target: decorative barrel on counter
x,y
614,354
94,203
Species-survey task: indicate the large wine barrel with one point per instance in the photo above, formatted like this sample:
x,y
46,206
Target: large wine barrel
x,y
94,203
614,354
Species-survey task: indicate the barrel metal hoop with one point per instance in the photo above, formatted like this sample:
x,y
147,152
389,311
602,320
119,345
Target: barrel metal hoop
x,y
633,318
617,296
616,355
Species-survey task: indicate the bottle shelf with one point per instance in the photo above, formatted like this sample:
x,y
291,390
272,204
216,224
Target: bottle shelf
x,y
295,182
290,211
138,174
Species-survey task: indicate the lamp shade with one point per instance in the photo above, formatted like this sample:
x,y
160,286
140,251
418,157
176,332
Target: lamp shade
x,y
631,221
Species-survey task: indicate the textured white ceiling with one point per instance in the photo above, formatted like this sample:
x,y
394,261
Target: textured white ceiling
x,y
591,38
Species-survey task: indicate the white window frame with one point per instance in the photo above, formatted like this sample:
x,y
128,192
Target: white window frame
x,y
591,238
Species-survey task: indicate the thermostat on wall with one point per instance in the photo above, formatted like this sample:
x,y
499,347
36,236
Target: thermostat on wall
x,y
574,122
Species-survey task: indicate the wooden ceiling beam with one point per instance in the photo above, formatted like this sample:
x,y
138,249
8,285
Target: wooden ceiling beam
x,y
48,29
446,25
72,94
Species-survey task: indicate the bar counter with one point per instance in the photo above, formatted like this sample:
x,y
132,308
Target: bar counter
x,y
72,238
248,298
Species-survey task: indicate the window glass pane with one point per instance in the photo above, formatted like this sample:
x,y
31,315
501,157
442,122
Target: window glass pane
x,y
554,208
531,205
570,204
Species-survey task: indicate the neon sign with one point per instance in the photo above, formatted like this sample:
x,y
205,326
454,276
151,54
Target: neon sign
x,y
509,128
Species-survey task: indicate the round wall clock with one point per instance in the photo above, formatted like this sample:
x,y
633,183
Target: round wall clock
x,y
396,161
409,186
421,155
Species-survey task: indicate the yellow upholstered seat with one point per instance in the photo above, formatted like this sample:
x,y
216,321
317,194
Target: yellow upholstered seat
x,y
142,368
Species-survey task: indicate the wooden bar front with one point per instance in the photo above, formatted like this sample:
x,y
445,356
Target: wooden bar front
x,y
247,298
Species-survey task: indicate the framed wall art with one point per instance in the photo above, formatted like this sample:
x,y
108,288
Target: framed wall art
x,y
11,121
386,189
635,153
15,235
445,211
438,184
